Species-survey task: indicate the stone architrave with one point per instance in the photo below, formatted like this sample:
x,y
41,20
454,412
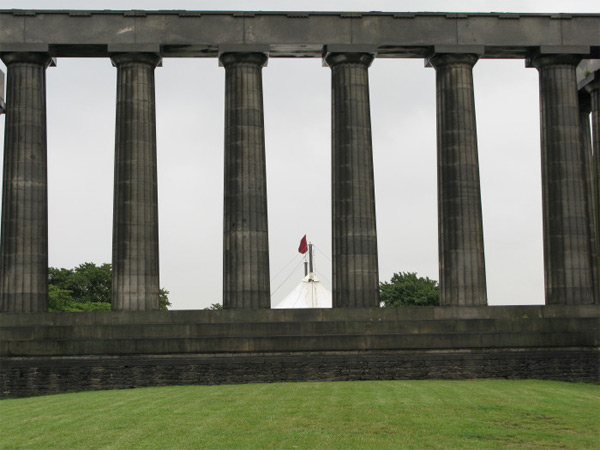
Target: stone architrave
x,y
354,255
594,89
135,217
460,222
24,241
246,277
567,239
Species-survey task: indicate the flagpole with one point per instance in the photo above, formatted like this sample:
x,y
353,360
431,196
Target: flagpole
x,y
310,259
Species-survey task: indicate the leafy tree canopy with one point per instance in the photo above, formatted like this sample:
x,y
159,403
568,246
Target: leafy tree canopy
x,y
87,287
407,289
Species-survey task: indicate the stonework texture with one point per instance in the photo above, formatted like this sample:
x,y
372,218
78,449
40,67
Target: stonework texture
x,y
246,277
460,222
354,255
567,238
61,352
135,217
24,241
585,107
594,90
35,376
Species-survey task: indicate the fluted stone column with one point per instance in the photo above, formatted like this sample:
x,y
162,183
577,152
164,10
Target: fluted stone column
x,y
355,265
567,243
585,107
24,241
246,282
135,216
594,89
460,222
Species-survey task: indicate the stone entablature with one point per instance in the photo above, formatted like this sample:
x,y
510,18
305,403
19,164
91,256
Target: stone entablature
x,y
73,33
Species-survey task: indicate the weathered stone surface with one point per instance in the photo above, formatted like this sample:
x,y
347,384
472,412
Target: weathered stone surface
x,y
567,238
460,221
62,352
594,89
35,376
246,277
354,253
24,241
294,33
135,217
585,108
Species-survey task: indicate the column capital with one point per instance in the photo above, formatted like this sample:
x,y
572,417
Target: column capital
x,y
230,58
41,58
541,61
444,59
151,59
334,59
592,82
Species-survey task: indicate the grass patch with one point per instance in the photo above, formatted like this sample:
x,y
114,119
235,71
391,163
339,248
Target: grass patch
x,y
481,414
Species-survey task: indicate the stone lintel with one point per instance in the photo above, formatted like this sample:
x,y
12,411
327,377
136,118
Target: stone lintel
x,y
18,47
133,48
563,49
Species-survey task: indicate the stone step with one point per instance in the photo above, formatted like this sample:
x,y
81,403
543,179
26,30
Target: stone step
x,y
296,343
299,315
312,328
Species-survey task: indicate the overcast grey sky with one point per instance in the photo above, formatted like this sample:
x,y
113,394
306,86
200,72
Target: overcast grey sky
x,y
190,117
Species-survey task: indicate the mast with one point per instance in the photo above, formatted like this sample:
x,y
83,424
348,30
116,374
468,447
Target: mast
x,y
310,262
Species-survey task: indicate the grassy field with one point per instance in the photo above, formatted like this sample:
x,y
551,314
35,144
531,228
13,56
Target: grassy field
x,y
481,414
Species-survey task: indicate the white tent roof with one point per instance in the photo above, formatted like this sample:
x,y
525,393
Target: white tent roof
x,y
310,293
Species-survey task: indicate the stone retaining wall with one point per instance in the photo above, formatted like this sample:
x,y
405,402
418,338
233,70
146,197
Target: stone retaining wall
x,y
67,352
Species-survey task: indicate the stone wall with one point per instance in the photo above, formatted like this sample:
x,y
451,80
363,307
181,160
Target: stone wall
x,y
65,352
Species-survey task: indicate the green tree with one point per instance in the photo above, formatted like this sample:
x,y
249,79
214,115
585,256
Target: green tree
x,y
407,289
214,307
87,287
163,299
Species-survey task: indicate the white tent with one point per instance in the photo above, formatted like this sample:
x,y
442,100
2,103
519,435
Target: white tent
x,y
310,293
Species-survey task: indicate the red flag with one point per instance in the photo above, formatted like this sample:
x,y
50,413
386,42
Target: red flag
x,y
303,245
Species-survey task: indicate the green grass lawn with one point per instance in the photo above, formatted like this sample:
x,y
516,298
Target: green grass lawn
x,y
481,414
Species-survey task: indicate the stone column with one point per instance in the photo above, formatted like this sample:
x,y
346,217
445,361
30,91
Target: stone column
x,y
585,107
246,282
135,215
354,239
460,222
594,89
24,241
567,243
